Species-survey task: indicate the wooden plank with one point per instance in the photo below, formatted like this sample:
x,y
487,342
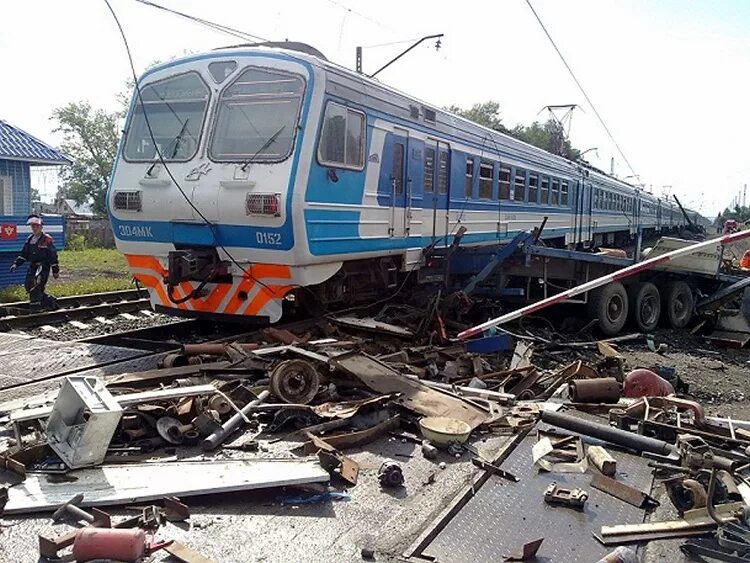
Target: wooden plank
x,y
127,484
415,395
186,554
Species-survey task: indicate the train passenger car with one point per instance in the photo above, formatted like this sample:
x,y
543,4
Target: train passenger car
x,y
251,176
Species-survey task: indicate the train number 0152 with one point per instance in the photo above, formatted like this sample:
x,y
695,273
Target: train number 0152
x,y
268,239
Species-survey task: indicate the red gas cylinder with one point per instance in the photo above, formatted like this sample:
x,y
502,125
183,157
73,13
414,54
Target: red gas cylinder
x,y
109,543
745,260
645,383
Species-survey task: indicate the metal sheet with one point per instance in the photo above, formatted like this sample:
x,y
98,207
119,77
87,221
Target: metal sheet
x,y
503,515
124,484
36,359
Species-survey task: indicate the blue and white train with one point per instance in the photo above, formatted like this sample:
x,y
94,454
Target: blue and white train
x,y
280,176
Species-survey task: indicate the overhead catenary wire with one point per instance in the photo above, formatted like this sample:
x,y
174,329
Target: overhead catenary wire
x,y
213,25
161,160
583,91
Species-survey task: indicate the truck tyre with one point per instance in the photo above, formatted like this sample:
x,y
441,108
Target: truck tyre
x,y
609,305
678,304
645,306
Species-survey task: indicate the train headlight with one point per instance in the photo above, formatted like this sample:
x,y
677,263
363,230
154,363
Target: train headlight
x,y
263,204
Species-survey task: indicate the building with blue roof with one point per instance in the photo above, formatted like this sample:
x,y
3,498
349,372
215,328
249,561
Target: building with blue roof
x,y
19,151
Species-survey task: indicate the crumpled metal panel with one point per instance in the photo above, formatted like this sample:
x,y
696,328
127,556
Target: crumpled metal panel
x,y
503,515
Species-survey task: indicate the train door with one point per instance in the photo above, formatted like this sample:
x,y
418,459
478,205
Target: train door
x,y
436,173
400,184
583,211
658,215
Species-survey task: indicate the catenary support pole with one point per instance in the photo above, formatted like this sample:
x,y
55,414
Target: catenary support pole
x,y
604,280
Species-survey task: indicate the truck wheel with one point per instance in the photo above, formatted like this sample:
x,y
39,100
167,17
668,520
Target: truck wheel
x,y
609,304
645,306
678,304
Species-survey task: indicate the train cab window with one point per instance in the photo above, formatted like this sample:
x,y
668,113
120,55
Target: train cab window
x,y
533,187
342,141
257,117
554,195
220,70
544,190
563,193
469,184
176,108
519,186
443,172
429,169
485,179
504,182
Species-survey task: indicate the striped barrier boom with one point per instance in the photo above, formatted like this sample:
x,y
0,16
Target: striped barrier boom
x,y
604,280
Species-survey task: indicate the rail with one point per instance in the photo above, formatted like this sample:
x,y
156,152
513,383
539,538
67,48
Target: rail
x,y
20,315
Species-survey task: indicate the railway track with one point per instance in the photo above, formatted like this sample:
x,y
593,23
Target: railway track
x,y
14,316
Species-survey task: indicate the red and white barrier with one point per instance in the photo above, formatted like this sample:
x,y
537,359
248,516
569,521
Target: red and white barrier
x,y
604,280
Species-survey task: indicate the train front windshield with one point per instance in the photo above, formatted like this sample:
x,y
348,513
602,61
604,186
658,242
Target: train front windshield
x,y
257,117
175,109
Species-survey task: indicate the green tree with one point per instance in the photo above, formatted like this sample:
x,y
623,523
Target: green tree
x,y
90,139
549,136
487,114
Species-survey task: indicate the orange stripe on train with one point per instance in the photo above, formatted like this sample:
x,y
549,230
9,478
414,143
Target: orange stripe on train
x,y
214,299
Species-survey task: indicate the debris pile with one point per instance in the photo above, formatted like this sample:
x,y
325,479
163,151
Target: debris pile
x,y
281,411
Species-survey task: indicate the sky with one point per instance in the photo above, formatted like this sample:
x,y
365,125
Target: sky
x,y
670,78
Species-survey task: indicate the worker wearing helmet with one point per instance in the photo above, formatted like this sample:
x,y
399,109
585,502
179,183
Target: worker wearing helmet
x,y
39,251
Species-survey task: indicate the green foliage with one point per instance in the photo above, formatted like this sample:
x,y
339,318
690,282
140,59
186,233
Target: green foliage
x,y
107,260
487,114
76,243
549,136
92,270
739,214
90,139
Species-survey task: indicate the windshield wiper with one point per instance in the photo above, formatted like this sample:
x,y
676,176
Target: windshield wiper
x,y
178,139
271,140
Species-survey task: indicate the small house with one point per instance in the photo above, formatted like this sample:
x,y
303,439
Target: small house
x,y
19,151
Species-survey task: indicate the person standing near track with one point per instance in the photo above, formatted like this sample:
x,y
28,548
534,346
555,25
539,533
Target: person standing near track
x,y
39,251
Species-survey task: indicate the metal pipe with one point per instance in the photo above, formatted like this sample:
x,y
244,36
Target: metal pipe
x,y
216,348
607,433
466,391
603,280
215,439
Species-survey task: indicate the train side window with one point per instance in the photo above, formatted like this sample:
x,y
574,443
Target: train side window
x,y
596,199
342,141
554,194
485,179
533,187
443,172
429,169
563,193
544,190
469,184
519,186
504,182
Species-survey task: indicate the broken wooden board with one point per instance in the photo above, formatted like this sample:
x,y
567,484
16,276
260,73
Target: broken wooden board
x,y
371,325
133,483
183,553
414,394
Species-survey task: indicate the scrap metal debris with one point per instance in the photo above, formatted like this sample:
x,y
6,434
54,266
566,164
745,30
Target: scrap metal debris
x,y
290,408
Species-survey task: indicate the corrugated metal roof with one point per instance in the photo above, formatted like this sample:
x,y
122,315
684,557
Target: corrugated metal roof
x,y
16,144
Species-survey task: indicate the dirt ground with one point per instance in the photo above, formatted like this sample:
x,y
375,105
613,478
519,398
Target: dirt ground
x,y
718,378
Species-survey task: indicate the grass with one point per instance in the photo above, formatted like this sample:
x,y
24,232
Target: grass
x,y
93,270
